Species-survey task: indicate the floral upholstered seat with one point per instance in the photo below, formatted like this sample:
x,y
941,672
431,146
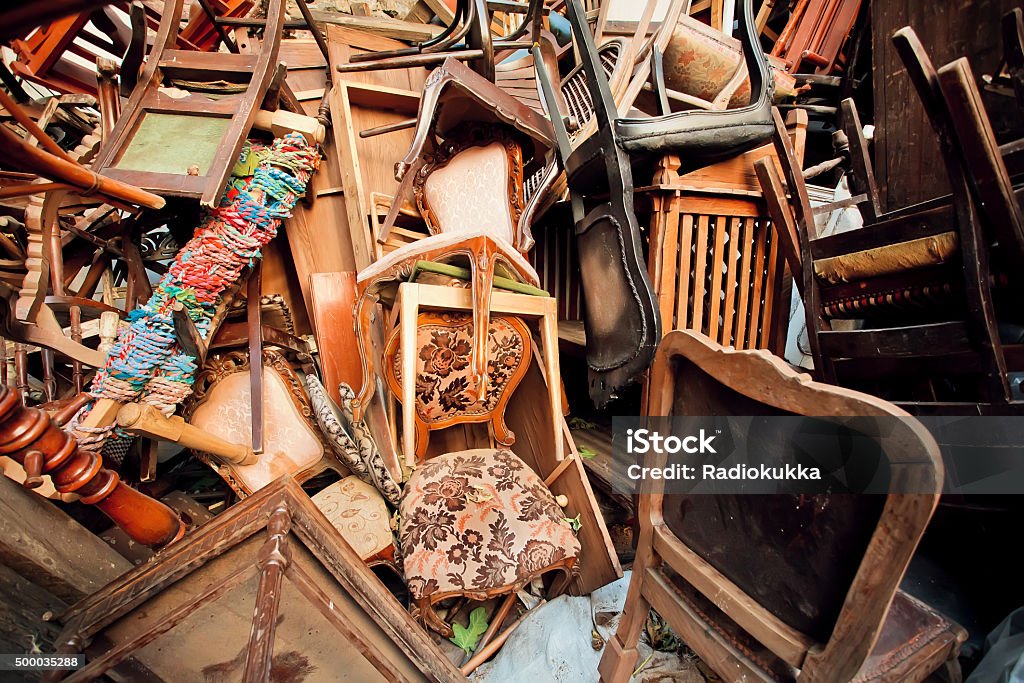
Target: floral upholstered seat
x,y
446,393
479,523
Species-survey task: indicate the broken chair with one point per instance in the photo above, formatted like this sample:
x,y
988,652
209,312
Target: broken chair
x,y
926,280
779,586
207,102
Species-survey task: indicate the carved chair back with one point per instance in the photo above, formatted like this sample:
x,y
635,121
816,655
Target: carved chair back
x,y
292,443
474,181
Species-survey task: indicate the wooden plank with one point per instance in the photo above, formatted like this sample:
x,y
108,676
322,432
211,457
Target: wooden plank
x,y
717,261
742,312
334,299
699,273
908,164
669,257
759,230
367,164
22,605
40,541
529,418
385,27
936,339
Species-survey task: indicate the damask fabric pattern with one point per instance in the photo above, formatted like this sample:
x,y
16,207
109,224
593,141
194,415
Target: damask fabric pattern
x,y
480,523
444,387
350,442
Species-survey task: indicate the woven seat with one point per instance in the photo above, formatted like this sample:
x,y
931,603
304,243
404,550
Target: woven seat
x,y
478,523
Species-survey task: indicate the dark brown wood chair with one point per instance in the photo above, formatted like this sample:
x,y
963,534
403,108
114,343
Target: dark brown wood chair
x,y
784,587
926,280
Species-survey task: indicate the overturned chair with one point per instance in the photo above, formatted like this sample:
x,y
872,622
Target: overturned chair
x,y
780,586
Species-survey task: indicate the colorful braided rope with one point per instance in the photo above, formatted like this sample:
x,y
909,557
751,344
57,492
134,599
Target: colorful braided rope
x,y
146,363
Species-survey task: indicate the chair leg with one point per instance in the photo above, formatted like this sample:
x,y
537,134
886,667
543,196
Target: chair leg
x,y
255,322
549,342
482,269
620,653
409,313
365,304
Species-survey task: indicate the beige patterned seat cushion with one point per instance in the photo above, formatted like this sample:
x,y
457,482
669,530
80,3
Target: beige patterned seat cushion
x,y
892,258
480,523
359,513
471,192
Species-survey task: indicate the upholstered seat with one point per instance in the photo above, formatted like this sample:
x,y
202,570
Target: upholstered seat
x,y
478,523
891,258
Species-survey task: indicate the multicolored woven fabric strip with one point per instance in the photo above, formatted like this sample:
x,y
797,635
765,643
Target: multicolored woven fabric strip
x,y
146,363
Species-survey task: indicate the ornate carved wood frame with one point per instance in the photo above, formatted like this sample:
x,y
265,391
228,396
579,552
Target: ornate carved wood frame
x,y
315,604
221,366
478,135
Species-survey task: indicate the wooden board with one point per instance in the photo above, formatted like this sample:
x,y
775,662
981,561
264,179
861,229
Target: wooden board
x,y
334,299
365,100
39,541
383,26
318,233
908,165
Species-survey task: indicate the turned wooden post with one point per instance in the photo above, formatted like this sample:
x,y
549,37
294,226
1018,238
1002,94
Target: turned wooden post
x,y
30,437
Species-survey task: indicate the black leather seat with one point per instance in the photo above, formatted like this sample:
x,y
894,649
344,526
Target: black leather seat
x,y
699,136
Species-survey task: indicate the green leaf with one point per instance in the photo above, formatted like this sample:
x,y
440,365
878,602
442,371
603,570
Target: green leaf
x,y
586,452
468,637
574,523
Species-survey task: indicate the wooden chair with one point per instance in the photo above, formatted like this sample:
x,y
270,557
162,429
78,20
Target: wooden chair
x,y
815,35
487,149
173,100
803,589
467,37
492,236
921,276
714,258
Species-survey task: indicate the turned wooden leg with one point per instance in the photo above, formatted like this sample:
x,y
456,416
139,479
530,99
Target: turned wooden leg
x,y
365,305
33,440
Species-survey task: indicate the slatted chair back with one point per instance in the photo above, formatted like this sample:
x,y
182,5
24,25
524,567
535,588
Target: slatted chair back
x,y
715,260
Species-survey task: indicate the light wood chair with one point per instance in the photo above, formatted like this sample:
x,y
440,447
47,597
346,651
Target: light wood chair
x,y
411,297
785,587
486,160
715,260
